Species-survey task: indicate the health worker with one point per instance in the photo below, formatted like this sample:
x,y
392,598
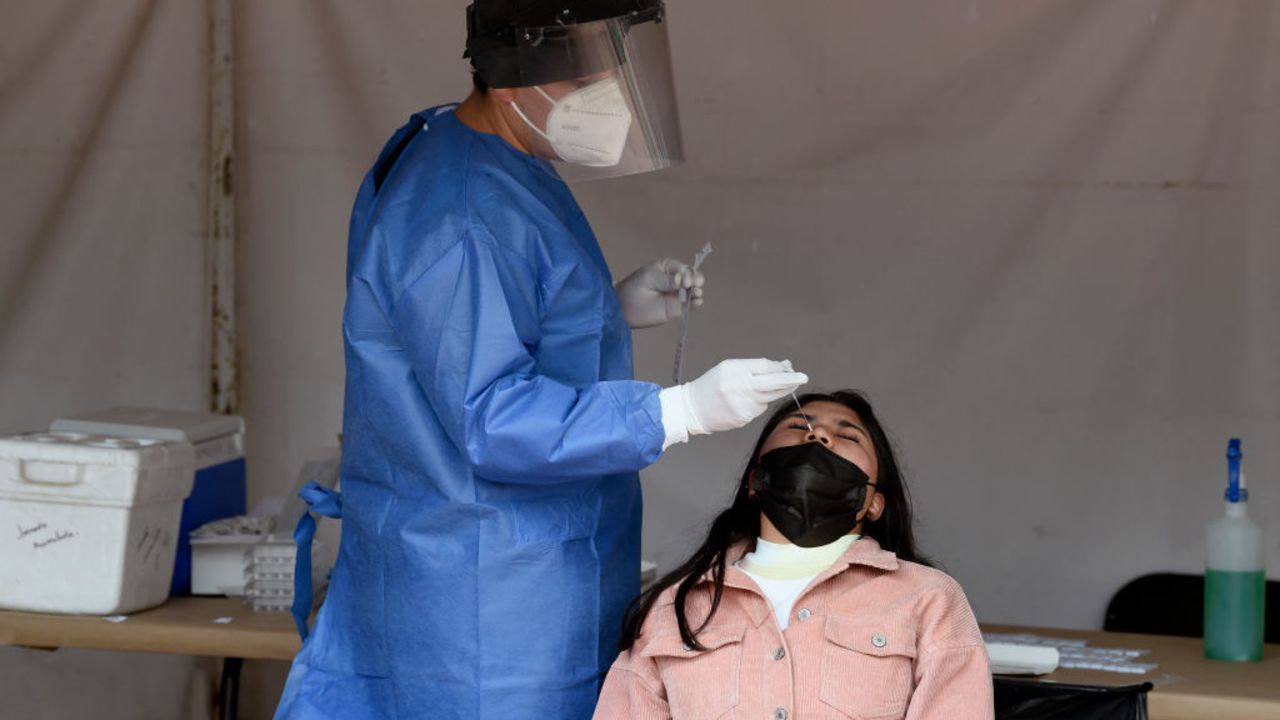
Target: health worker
x,y
492,428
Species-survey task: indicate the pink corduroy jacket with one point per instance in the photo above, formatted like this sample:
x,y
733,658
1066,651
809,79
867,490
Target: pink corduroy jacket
x,y
872,638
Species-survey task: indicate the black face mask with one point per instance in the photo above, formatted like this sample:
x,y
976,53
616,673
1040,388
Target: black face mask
x,y
811,494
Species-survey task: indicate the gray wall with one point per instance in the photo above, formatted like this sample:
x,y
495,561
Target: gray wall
x,y
102,213
1042,236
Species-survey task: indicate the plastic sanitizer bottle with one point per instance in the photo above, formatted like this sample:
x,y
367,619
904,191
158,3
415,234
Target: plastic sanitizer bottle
x,y
1235,575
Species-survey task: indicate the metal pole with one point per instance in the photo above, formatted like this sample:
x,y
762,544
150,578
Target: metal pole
x,y
229,689
222,210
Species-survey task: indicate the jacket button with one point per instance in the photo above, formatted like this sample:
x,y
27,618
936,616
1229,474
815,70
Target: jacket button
x,y
779,653
780,714
878,640
804,614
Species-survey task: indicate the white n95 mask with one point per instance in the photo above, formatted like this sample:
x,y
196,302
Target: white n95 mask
x,y
588,126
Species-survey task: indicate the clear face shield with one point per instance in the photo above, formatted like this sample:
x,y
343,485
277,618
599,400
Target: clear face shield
x,y
599,97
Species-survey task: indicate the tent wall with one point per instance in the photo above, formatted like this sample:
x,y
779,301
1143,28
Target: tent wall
x,y
1044,237
102,269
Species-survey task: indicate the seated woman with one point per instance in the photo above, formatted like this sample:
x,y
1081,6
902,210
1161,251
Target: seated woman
x,y
808,599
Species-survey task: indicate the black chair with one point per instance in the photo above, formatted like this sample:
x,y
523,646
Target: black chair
x,y
1031,700
1173,604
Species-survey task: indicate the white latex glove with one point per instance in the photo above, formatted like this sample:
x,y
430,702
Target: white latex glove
x,y
728,396
654,294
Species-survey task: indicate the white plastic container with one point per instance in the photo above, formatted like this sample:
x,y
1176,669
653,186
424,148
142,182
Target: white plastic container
x,y
89,524
219,490
218,564
648,574
1235,581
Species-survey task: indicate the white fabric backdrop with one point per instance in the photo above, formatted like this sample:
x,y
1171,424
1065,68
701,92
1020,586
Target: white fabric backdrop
x,y
1045,237
102,214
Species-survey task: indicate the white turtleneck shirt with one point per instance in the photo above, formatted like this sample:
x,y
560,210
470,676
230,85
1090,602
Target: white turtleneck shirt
x,y
784,571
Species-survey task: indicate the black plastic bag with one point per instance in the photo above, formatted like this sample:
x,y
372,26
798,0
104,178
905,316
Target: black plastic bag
x,y
1018,699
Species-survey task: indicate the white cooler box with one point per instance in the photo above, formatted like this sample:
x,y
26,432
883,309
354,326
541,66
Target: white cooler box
x,y
89,524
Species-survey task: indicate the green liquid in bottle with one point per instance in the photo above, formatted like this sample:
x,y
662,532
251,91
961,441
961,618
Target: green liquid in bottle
x,y
1233,615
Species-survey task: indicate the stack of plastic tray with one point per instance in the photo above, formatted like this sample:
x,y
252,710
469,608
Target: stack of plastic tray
x,y
269,574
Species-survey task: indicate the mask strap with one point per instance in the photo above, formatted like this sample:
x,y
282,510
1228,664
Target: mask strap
x,y
532,127
866,516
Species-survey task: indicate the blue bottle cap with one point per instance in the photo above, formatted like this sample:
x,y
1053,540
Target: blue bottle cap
x,y
1234,492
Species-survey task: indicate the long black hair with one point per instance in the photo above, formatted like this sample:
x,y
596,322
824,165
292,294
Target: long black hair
x,y
893,529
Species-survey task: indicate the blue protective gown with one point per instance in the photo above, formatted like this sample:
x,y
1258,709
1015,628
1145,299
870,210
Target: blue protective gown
x,y
491,435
